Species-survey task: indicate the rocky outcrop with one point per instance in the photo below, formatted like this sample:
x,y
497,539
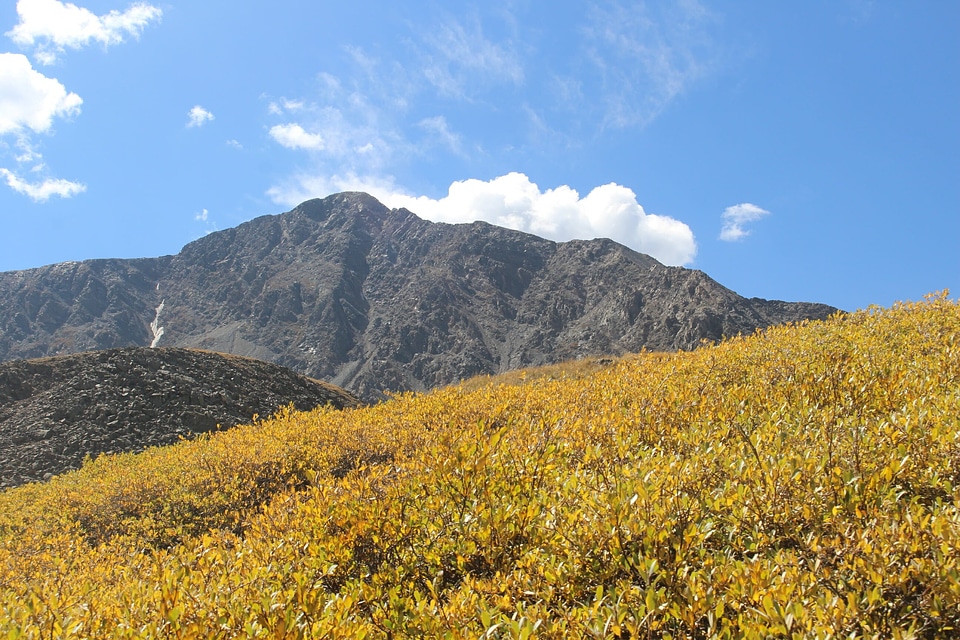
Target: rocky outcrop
x,y
373,299
56,411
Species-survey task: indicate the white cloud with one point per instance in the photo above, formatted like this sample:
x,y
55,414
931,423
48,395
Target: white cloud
x,y
735,217
513,201
42,191
353,132
645,55
439,130
277,108
293,136
235,144
203,217
361,122
285,105
51,26
198,116
460,58
29,99
306,186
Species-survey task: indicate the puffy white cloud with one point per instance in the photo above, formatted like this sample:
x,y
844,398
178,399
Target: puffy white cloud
x,y
42,191
202,216
293,136
198,116
29,99
513,201
735,217
51,26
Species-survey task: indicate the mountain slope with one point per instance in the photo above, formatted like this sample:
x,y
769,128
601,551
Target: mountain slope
x,y
56,411
801,483
347,290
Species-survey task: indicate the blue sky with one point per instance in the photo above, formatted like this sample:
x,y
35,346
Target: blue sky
x,y
797,151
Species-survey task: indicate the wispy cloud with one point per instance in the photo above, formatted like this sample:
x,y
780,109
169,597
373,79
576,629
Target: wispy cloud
x,y
513,201
627,64
42,191
438,129
457,58
370,117
347,127
203,217
734,218
305,186
284,105
29,99
646,54
198,116
50,26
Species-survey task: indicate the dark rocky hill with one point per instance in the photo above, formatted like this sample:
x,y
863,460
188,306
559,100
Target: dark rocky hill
x,y
55,411
372,299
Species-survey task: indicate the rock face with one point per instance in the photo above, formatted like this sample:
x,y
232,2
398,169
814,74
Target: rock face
x,y
55,411
372,299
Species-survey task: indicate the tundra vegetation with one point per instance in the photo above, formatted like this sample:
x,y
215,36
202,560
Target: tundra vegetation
x,y
801,482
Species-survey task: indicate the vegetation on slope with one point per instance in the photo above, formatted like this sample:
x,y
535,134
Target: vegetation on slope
x,y
801,482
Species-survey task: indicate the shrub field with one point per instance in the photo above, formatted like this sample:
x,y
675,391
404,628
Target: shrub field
x,y
802,482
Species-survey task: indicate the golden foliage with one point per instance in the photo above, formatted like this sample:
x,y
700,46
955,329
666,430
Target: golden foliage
x,y
800,482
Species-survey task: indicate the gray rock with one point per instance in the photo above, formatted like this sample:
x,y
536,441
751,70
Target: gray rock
x,y
197,386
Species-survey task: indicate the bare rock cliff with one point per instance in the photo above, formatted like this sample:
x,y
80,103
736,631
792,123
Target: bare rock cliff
x,y
373,299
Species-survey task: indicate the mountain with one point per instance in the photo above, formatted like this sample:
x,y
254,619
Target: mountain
x,y
373,299
56,411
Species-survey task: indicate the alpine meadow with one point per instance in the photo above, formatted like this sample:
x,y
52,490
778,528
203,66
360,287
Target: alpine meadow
x,y
480,320
800,482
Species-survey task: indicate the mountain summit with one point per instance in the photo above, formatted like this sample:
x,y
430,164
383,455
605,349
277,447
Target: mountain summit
x,y
372,299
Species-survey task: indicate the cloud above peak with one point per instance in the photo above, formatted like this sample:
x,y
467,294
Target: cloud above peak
x,y
52,26
515,202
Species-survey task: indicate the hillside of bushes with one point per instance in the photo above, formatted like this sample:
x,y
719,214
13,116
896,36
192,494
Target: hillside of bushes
x,y
800,482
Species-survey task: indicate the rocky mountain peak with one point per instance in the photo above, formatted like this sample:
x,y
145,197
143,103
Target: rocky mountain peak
x,y
345,289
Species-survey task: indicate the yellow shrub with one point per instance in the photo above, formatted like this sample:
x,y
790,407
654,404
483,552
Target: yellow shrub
x,y
800,482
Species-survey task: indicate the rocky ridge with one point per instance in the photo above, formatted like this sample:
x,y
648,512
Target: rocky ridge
x,y
56,411
373,299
